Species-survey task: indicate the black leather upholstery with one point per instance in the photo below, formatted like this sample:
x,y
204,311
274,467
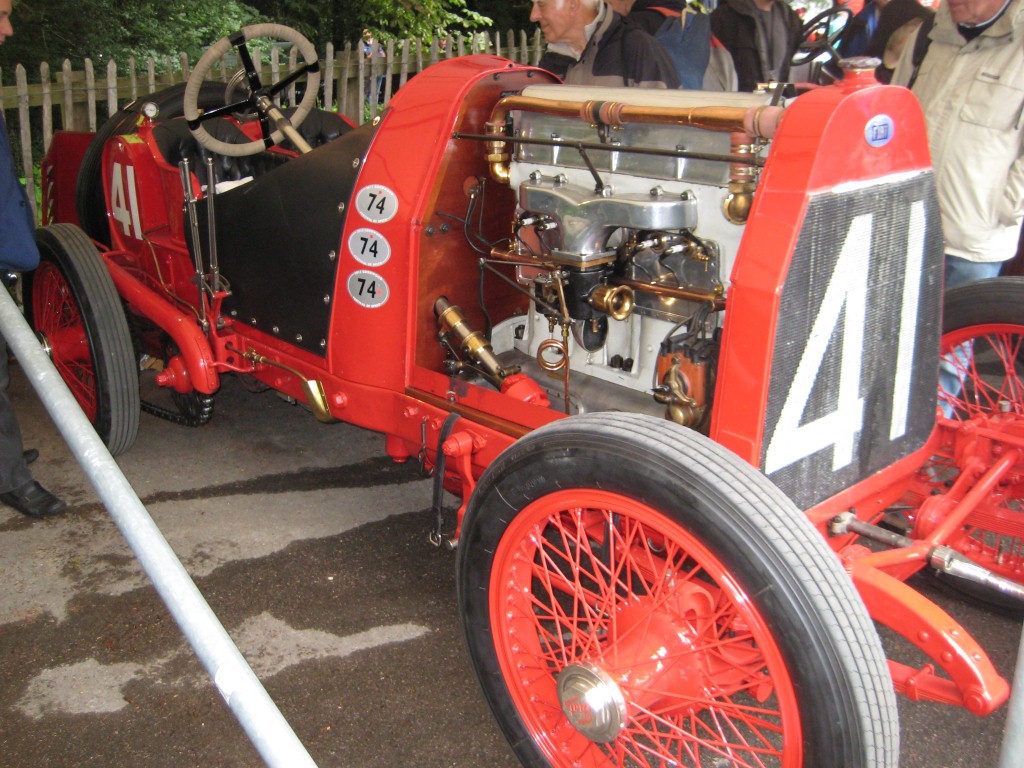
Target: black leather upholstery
x,y
176,143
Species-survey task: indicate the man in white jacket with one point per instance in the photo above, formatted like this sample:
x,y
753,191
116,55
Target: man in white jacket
x,y
970,84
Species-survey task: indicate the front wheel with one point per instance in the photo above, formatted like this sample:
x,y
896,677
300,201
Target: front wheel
x,y
632,594
72,304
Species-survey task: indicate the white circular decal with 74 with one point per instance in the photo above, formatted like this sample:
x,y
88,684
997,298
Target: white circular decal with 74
x,y
368,288
369,247
377,203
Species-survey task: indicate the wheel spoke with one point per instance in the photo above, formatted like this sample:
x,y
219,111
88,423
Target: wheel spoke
x,y
58,317
986,362
657,613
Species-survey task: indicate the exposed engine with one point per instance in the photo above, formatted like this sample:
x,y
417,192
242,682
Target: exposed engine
x,y
628,220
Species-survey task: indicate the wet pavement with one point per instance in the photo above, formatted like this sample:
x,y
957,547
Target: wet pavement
x,y
311,547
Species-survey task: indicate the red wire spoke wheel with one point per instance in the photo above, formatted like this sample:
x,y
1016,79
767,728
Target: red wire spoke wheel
x,y
983,334
65,332
71,302
981,381
634,595
661,655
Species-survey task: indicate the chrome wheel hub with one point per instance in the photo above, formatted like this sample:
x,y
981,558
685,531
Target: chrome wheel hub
x,y
592,701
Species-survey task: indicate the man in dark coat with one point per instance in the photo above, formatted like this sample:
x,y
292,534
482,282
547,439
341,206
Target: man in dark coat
x,y
18,252
682,31
893,24
855,37
590,44
643,13
761,35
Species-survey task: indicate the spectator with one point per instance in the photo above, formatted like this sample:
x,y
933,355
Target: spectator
x,y
683,31
896,24
373,49
761,35
966,70
645,13
860,30
590,44
971,87
18,252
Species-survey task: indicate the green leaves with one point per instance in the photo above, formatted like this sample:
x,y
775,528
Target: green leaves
x,y
54,30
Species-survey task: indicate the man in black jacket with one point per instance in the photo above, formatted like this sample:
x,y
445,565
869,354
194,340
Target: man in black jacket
x,y
761,35
590,44
643,13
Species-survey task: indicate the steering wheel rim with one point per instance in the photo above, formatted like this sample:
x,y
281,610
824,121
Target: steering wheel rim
x,y
805,50
216,51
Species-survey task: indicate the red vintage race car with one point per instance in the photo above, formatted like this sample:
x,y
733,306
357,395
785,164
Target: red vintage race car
x,y
677,354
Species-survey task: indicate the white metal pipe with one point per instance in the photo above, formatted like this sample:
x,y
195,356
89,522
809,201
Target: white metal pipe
x,y
266,727
1012,754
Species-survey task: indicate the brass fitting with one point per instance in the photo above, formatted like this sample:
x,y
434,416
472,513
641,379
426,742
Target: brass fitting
x,y
473,343
616,301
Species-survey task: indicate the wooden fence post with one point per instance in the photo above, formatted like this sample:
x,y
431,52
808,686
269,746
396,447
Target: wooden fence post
x,y
90,92
44,80
403,72
25,134
343,97
329,76
133,78
111,88
389,58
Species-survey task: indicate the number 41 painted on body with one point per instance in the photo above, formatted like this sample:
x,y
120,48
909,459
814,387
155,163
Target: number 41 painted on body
x,y
124,203
847,290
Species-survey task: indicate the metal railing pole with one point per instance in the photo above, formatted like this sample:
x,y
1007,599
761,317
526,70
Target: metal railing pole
x,y
245,696
1012,754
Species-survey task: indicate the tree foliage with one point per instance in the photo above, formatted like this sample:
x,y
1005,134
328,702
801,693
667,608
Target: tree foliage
x,y
504,14
54,30
338,21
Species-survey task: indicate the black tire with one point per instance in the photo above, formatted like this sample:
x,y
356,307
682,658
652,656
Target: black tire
x,y
89,200
71,301
641,499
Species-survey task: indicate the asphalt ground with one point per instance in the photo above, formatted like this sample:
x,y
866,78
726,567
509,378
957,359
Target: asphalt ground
x,y
311,547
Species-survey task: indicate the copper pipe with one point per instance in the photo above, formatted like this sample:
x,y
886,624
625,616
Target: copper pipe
x,y
761,120
684,294
511,256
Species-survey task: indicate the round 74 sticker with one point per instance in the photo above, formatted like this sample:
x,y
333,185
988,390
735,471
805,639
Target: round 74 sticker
x,y
368,288
377,203
369,247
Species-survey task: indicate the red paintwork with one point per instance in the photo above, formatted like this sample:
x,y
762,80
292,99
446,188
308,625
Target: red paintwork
x,y
59,178
382,368
803,160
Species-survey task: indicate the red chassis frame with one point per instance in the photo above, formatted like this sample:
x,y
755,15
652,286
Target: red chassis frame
x,y
403,395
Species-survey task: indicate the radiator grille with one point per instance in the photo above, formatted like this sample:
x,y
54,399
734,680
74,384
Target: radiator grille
x,y
855,364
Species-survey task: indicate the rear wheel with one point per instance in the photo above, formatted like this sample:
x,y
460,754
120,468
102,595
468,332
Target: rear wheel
x,y
982,375
71,302
634,595
984,321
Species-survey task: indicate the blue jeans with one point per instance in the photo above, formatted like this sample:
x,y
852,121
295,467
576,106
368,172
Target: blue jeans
x,y
953,365
960,271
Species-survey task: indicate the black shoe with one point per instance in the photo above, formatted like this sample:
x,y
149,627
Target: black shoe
x,y
33,500
30,455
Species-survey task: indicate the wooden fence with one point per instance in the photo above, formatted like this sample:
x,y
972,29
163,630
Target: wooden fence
x,y
72,99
